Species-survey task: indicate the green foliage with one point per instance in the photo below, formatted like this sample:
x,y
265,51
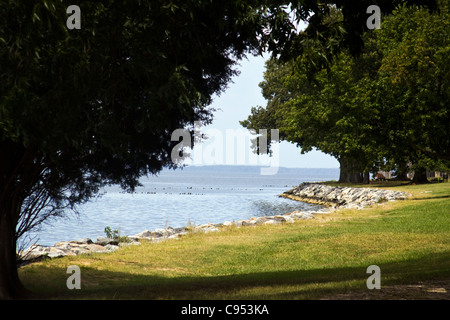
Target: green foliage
x,y
329,112
386,107
111,234
414,82
83,108
115,235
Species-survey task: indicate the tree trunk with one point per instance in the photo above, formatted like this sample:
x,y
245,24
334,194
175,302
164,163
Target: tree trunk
x,y
402,176
11,158
402,173
19,171
349,171
10,285
420,175
366,178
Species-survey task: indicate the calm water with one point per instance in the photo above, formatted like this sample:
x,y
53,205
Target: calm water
x,y
194,195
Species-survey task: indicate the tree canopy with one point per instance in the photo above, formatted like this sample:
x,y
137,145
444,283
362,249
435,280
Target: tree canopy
x,y
82,108
383,108
414,81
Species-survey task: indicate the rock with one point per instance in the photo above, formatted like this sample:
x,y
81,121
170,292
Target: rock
x,y
290,191
207,228
297,214
344,197
248,222
259,220
61,243
111,248
182,230
289,219
83,241
56,254
143,234
103,241
239,223
280,218
129,243
160,233
79,250
168,232
33,253
95,247
64,247
271,221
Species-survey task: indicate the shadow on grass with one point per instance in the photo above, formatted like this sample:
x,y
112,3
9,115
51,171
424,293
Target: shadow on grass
x,y
431,197
294,284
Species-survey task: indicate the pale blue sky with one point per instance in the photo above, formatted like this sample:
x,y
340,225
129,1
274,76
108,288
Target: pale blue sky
x,y
235,105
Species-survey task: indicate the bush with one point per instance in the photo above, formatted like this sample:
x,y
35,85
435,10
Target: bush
x,y
115,235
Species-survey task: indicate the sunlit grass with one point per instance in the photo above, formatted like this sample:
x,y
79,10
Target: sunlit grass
x,y
310,259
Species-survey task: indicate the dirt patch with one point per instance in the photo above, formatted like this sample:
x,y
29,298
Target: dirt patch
x,y
423,290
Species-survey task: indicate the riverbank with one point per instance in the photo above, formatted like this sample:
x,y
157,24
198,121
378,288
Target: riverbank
x,y
196,195
331,197
321,258
104,245
342,197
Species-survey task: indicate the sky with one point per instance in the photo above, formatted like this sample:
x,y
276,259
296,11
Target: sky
x,y
234,105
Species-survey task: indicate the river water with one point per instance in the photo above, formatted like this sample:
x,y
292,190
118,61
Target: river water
x,y
176,198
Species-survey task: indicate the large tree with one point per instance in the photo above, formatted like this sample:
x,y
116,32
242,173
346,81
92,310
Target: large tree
x,y
81,108
330,113
386,106
323,108
413,88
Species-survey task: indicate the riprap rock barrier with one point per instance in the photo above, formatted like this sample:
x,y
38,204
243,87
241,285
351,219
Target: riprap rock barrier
x,y
342,197
329,197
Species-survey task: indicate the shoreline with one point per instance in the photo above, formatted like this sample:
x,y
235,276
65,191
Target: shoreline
x,y
306,200
342,197
331,198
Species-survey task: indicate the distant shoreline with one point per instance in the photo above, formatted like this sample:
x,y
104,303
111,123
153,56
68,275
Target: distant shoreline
x,y
244,168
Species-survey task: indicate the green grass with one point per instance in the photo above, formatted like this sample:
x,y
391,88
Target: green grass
x,y
310,259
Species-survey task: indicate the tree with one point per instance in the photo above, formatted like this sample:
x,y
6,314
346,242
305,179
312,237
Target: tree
x,y
328,110
349,106
80,109
329,114
413,87
333,37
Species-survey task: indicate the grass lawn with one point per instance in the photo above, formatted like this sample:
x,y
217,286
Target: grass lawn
x,y
321,258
